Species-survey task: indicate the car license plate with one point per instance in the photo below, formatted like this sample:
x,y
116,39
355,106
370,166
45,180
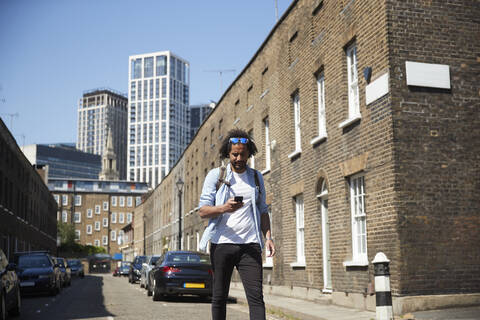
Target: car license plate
x,y
194,285
27,284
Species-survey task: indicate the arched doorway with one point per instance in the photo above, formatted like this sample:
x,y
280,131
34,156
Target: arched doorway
x,y
322,196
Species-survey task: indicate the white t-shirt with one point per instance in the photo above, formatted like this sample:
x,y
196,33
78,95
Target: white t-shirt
x,y
238,226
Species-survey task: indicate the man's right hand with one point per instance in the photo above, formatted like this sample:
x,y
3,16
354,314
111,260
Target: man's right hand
x,y
231,205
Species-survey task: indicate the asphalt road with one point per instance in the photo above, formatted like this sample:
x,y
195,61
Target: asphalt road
x,y
106,297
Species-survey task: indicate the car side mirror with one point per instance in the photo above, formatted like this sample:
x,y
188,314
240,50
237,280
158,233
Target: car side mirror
x,y
11,267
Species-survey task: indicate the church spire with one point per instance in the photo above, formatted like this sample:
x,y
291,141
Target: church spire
x,y
109,160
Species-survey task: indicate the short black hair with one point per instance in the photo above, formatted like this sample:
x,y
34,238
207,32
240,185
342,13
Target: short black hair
x,y
226,146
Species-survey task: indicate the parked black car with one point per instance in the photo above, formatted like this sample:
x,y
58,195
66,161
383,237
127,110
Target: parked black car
x,y
181,272
136,268
38,272
65,270
76,267
99,262
10,300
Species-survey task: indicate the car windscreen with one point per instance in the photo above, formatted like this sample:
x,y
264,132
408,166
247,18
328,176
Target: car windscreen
x,y
154,260
140,260
74,263
188,258
33,262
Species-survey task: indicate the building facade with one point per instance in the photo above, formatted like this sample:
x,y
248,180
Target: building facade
x,y
198,114
99,210
64,161
100,111
366,118
158,122
27,209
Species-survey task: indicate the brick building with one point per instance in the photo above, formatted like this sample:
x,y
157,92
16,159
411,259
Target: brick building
x,y
366,118
27,209
98,209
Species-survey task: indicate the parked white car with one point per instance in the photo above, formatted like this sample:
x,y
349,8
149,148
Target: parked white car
x,y
146,268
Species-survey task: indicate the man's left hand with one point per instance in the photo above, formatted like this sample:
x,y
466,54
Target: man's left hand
x,y
270,248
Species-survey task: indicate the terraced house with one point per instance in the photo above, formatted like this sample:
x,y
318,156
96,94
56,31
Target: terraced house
x,y
366,117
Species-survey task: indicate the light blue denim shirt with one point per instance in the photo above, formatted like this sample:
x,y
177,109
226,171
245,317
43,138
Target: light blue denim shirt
x,y
211,197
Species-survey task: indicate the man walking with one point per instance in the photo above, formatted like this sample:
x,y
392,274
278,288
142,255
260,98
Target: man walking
x,y
234,200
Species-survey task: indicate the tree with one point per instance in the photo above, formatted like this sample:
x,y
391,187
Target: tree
x,y
66,232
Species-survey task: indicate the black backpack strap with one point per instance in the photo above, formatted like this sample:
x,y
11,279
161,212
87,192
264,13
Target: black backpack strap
x,y
257,182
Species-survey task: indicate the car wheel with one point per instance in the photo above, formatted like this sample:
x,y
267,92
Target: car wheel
x,y
16,309
156,295
3,306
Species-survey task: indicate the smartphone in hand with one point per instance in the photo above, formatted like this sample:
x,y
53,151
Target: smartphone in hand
x,y
238,198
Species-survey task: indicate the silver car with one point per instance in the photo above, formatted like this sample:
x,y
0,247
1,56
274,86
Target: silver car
x,y
146,268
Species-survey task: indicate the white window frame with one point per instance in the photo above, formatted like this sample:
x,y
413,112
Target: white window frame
x,y
296,125
77,235
105,222
114,217
97,209
266,124
353,91
358,221
129,217
322,120
121,217
97,225
89,229
89,213
105,240
138,201
121,201
77,217
64,200
300,232
96,243
113,235
114,201
64,216
130,202
105,205
57,198
78,200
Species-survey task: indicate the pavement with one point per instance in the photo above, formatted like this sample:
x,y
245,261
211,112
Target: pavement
x,y
301,309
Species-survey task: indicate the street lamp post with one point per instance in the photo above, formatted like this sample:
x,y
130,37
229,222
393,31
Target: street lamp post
x,y
144,236
179,184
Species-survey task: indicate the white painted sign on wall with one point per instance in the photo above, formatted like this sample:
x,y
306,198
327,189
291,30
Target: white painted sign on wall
x,y
428,75
377,89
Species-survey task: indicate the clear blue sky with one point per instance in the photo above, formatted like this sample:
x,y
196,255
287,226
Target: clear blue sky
x,y
53,50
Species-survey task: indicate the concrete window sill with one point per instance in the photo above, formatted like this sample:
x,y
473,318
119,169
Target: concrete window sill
x,y
264,172
356,263
349,121
318,139
294,154
298,264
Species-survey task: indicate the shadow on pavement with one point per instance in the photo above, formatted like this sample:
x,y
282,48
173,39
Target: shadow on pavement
x,y
83,299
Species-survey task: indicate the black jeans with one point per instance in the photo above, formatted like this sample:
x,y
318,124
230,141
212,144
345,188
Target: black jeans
x,y
247,258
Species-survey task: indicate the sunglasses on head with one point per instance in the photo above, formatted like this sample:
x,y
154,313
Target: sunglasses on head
x,y
239,140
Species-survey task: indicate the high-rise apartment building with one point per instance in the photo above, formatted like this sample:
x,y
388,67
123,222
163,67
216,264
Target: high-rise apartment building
x,y
99,111
198,113
158,121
